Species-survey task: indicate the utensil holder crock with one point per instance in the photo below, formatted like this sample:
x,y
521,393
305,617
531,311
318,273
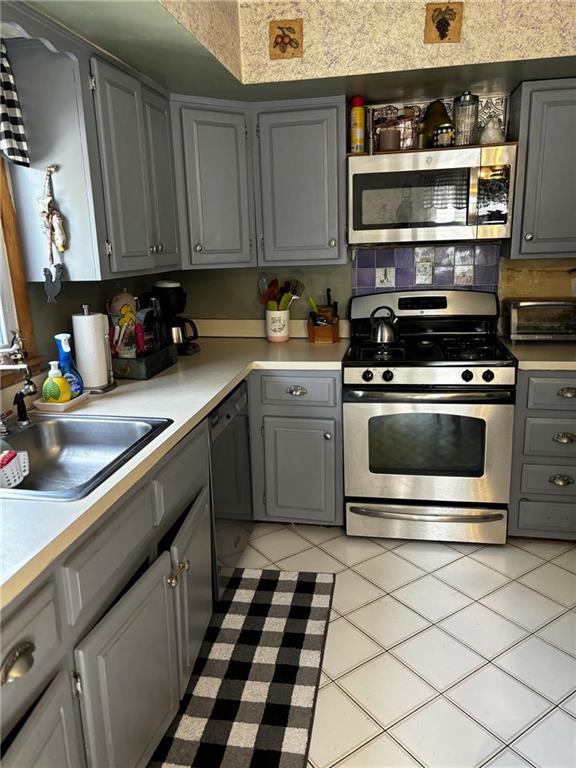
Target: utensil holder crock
x,y
277,325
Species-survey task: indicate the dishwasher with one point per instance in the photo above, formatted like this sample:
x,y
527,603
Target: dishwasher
x,y
232,511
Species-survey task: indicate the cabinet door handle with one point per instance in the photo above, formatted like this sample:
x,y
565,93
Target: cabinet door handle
x,y
528,236
332,243
153,249
564,437
198,247
297,391
567,392
561,480
183,566
327,436
160,248
18,663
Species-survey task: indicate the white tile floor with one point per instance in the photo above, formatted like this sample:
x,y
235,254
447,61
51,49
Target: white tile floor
x,y
443,656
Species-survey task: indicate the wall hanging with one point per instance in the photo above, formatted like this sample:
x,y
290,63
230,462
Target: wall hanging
x,y
53,226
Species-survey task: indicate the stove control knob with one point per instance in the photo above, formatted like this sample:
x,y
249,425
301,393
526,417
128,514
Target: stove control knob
x,y
387,375
488,375
367,375
467,375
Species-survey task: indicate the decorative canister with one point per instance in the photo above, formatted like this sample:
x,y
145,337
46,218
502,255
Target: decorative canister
x,y
443,135
278,325
465,118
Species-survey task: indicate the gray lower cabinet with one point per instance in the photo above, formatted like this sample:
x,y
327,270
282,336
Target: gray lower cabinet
x,y
296,445
543,490
543,115
52,735
215,185
300,468
129,673
191,556
300,160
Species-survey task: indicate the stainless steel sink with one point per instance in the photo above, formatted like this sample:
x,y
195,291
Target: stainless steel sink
x,y
71,455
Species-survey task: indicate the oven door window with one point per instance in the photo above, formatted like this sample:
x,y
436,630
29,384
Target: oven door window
x,y
408,199
427,444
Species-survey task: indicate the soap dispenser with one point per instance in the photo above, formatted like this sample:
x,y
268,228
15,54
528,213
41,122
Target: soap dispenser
x,y
67,366
56,389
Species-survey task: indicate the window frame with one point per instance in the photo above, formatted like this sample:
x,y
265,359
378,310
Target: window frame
x,y
17,276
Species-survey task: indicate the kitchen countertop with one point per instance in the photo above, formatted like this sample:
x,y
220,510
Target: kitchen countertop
x,y
544,355
35,533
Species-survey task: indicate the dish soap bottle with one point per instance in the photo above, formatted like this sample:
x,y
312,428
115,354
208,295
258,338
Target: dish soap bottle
x,y
67,365
56,389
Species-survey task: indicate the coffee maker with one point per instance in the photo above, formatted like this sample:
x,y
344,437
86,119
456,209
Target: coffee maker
x,y
180,330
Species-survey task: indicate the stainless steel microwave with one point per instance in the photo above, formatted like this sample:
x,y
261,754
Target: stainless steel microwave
x,y
459,193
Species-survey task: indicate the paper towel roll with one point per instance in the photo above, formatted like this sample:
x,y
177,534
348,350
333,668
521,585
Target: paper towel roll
x,y
90,348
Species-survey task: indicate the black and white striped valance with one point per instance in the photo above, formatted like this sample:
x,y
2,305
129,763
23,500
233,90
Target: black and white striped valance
x,y
12,137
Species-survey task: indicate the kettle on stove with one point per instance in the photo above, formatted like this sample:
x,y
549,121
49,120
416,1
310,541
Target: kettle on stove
x,y
383,330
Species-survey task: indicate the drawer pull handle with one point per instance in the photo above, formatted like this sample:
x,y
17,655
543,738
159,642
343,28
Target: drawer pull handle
x,y
173,579
564,437
561,480
18,663
567,392
297,391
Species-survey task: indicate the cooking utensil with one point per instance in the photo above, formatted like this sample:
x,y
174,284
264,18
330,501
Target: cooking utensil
x,y
297,288
270,293
328,296
285,301
313,304
383,330
262,286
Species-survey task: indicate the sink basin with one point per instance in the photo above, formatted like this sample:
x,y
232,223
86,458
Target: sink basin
x,y
71,455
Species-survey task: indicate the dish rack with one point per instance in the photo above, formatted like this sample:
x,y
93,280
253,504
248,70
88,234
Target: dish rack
x,y
15,471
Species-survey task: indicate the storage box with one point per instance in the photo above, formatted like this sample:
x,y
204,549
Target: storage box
x,y
144,367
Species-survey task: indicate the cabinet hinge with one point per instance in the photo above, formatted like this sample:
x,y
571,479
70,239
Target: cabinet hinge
x,y
251,244
76,684
264,499
245,131
258,130
262,431
108,248
92,83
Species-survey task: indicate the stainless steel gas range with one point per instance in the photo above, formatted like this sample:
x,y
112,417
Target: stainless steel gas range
x,y
428,418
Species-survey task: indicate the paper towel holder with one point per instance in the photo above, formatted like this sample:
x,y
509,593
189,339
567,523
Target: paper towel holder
x,y
111,383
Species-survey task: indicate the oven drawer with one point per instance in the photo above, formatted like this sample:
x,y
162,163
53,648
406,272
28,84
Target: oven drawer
x,y
299,390
546,515
437,523
559,479
550,437
557,393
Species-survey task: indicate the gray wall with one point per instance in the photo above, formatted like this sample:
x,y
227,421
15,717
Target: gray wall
x,y
212,293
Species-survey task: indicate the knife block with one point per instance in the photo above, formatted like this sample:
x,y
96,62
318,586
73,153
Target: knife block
x,y
324,334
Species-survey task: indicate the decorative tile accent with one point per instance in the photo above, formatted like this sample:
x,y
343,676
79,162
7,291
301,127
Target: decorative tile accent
x,y
464,265
286,38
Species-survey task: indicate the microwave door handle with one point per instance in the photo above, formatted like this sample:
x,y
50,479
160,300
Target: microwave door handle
x,y
473,197
430,518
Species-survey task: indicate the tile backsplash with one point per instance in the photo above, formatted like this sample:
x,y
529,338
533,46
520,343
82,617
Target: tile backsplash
x,y
470,266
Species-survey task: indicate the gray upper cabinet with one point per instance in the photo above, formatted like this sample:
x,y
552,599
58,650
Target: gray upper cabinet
x,y
161,183
52,736
124,169
215,185
128,668
301,154
543,116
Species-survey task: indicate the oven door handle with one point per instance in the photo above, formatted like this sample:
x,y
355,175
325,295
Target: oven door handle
x,y
372,396
433,518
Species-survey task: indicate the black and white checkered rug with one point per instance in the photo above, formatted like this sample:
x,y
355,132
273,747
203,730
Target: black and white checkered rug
x,y
251,699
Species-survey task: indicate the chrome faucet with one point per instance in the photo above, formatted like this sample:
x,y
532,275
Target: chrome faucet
x,y
13,358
